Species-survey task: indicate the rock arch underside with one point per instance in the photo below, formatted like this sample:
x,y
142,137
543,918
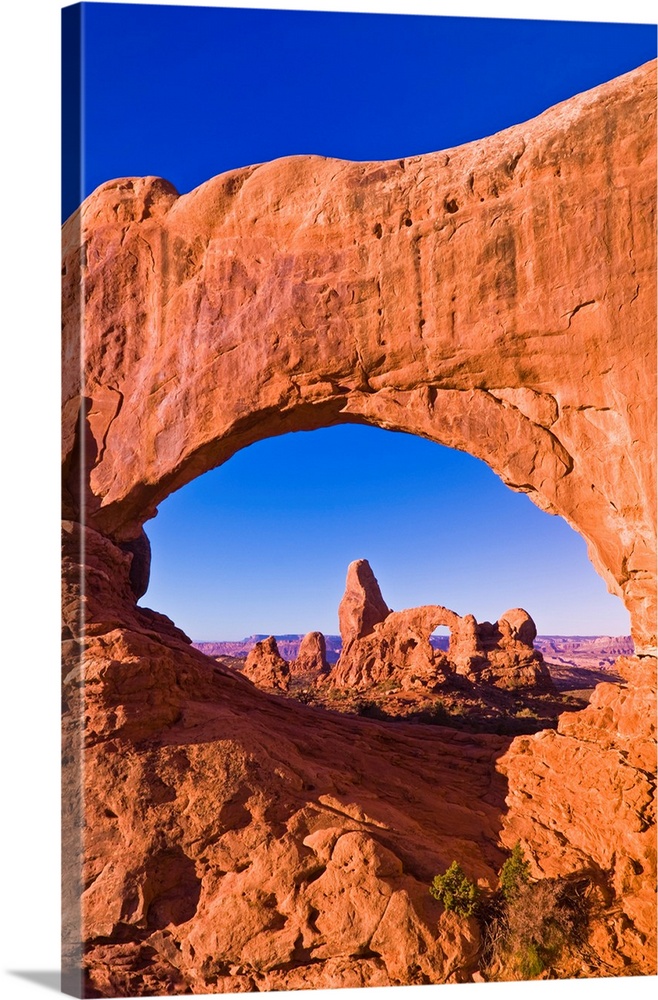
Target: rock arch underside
x,y
498,298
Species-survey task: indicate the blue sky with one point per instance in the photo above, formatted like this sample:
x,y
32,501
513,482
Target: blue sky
x,y
262,544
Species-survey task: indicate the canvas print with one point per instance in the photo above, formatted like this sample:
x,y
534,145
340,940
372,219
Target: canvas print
x,y
363,308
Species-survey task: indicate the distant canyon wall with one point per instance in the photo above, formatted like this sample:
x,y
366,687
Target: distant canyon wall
x,y
604,647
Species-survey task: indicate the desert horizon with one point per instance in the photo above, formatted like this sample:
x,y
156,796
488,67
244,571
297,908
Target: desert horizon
x,y
403,684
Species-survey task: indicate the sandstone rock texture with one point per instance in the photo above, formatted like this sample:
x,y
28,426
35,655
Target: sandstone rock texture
x,y
380,646
498,298
311,660
234,840
583,799
362,606
507,658
266,667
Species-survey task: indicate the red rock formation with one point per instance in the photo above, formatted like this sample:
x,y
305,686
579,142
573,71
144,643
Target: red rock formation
x,y
582,799
508,658
362,605
234,840
398,649
395,646
266,667
500,298
518,626
311,659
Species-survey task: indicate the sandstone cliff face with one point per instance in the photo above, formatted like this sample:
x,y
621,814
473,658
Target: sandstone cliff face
x,y
583,799
498,297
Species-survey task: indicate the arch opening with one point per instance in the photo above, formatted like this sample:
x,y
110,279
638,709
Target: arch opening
x,y
259,547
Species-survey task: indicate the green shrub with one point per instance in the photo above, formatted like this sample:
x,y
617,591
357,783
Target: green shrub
x,y
531,962
514,873
436,714
456,891
539,927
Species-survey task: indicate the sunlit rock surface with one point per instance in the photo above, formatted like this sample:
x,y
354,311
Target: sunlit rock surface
x,y
499,298
381,646
266,667
311,659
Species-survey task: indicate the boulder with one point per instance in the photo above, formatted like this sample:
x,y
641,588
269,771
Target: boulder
x,y
508,658
519,626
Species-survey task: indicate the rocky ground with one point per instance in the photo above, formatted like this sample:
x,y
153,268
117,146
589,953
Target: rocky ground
x,y
237,840
482,678
463,705
579,666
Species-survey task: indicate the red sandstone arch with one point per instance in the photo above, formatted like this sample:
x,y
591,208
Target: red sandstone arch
x,y
498,298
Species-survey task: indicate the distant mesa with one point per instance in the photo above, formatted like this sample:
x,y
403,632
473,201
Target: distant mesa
x,y
575,662
288,645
